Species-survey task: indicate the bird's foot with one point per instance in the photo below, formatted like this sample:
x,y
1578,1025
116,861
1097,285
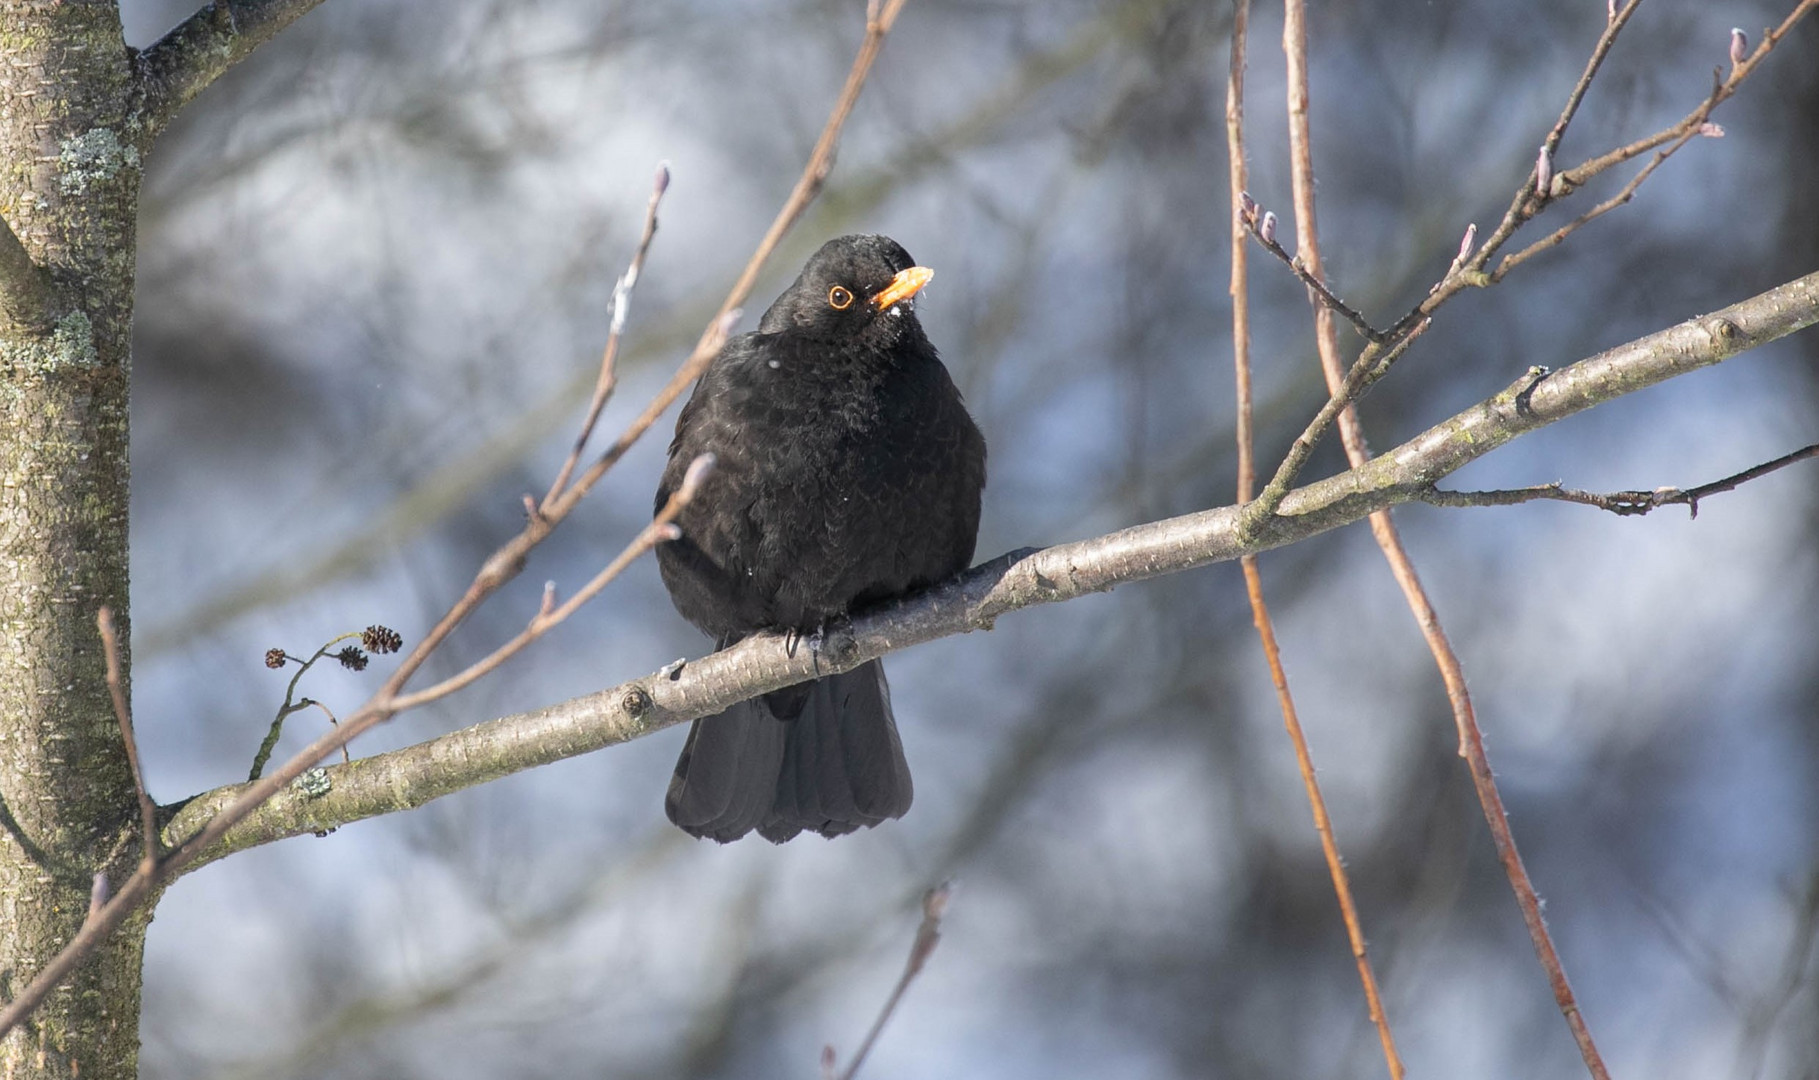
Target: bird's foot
x,y
834,637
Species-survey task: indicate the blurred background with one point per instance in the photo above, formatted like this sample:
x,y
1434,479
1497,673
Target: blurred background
x,y
375,265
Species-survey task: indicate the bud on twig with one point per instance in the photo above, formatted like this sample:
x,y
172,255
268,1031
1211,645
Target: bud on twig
x,y
1740,46
697,472
1267,227
1544,172
98,892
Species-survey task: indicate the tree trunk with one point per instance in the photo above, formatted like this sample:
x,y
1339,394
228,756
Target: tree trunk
x,y
69,183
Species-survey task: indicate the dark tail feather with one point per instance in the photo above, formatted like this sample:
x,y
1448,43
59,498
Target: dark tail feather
x,y
837,765
727,772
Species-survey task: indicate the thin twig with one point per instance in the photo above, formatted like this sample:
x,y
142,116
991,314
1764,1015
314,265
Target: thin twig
x,y
1724,86
1622,503
661,528
928,935
1624,195
609,377
307,703
500,567
879,18
1527,203
1248,213
290,704
148,810
1383,530
1243,218
1372,364
1612,27
1294,45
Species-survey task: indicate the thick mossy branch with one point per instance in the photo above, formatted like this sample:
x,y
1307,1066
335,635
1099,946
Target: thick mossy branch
x,y
407,778
183,63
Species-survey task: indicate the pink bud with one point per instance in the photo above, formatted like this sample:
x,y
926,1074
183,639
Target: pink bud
x,y
1711,130
1466,242
662,181
697,472
1740,45
1544,172
98,892
1267,229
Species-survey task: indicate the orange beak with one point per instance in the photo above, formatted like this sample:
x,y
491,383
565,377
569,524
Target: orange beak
x,y
906,284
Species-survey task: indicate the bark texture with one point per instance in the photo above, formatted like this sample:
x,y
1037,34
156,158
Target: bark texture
x,y
69,182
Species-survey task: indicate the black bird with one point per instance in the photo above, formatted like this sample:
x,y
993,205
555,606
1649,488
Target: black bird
x,y
848,472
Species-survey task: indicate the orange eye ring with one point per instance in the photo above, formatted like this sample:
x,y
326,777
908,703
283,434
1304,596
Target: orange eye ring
x,y
839,298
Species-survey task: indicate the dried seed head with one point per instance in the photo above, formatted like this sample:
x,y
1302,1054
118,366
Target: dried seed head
x,y
274,658
352,658
381,639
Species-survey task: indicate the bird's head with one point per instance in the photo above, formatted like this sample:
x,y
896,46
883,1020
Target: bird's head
x,y
857,289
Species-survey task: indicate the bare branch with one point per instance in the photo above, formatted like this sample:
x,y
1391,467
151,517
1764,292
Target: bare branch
x,y
148,811
201,49
1267,238
1389,540
879,18
1244,219
550,614
1526,204
1344,391
928,935
608,378
1621,503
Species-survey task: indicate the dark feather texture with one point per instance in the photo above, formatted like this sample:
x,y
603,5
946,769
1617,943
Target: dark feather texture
x,y
848,472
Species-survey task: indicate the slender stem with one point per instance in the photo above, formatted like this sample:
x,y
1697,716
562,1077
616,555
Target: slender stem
x,y
1294,44
549,616
1383,530
148,810
1622,503
928,935
609,378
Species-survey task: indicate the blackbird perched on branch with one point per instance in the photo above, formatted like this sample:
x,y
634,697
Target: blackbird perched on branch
x,y
847,472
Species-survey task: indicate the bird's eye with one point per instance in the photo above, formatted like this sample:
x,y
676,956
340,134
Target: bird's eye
x,y
839,298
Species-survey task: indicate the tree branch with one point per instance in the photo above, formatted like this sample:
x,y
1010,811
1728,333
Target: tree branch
x,y
1621,503
409,777
25,295
201,48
